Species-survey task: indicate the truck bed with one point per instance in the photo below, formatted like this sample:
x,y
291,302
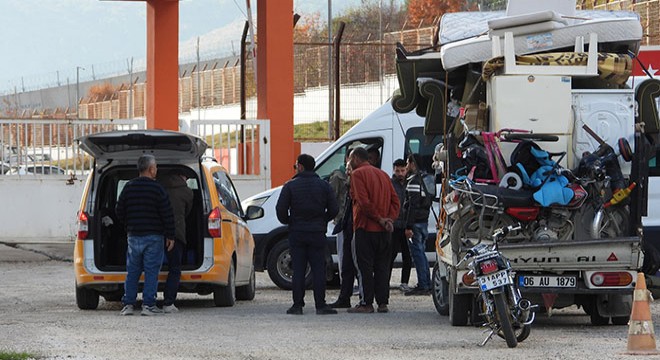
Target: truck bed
x,y
602,254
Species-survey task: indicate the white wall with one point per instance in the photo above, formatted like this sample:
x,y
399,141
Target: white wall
x,y
44,209
38,209
357,101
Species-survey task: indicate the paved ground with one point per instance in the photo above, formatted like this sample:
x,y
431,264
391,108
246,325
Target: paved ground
x,y
38,314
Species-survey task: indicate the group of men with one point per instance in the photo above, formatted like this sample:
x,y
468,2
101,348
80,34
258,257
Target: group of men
x,y
375,217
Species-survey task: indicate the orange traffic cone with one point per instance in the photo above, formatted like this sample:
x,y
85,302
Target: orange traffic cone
x,y
641,335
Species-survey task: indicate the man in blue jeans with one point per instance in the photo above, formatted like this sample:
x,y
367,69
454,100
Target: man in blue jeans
x,y
181,198
417,205
144,209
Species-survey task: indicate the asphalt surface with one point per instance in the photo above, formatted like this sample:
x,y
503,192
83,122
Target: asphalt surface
x,y
38,314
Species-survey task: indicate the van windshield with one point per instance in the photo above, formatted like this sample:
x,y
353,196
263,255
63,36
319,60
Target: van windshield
x,y
337,161
418,143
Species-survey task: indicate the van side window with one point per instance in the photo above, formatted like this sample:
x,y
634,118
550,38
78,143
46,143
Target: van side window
x,y
226,192
336,160
420,144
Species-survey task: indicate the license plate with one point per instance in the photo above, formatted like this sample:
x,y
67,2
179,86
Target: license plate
x,y
551,281
494,280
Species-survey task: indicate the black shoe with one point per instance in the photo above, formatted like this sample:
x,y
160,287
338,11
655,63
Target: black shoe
x,y
417,291
294,310
382,308
327,310
339,304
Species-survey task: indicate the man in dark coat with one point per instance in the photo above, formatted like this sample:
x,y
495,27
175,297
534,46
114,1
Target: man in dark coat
x,y
306,204
181,198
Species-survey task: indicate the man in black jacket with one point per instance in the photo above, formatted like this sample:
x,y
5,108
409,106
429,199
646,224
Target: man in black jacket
x,y
399,239
181,198
417,205
306,204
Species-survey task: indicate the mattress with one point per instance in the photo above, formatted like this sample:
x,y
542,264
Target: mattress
x,y
463,25
518,20
627,31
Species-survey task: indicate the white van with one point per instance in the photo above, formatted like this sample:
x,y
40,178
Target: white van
x,y
394,135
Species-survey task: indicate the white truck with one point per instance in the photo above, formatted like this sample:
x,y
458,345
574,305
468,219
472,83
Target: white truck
x,y
562,256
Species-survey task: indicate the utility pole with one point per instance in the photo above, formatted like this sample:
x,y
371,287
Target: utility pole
x,y
78,87
330,88
129,111
199,88
380,48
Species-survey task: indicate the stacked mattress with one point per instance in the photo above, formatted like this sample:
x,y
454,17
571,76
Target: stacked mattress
x,y
466,37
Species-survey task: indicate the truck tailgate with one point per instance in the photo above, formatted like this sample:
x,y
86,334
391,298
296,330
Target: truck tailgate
x,y
619,253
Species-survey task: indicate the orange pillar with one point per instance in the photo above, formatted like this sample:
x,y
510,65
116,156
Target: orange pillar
x,y
275,82
163,64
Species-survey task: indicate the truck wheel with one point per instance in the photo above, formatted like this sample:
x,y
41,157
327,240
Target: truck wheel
x,y
226,295
280,267
440,291
597,320
246,292
459,305
620,320
592,310
86,299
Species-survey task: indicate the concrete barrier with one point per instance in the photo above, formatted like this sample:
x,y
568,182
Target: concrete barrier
x,y
37,209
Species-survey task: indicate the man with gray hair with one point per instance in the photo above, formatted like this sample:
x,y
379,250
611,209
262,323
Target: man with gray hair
x,y
145,210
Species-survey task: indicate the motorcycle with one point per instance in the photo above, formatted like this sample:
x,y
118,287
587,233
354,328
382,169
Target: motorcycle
x,y
596,208
507,314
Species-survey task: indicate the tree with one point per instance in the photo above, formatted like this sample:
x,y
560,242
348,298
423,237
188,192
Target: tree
x,y
365,22
426,12
101,91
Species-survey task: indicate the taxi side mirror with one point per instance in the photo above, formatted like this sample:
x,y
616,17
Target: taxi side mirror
x,y
253,212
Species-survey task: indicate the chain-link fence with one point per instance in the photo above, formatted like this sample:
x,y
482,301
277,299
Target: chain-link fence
x,y
327,94
648,11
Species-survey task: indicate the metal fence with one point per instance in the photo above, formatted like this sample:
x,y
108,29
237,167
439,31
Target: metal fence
x,y
240,146
48,147
35,147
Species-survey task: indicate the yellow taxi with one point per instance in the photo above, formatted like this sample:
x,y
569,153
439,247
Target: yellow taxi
x,y
218,256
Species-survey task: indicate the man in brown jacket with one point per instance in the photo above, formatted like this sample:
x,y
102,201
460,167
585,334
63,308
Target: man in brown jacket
x,y
375,205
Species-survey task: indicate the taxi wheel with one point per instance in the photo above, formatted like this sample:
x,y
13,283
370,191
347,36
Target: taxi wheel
x,y
246,292
225,295
87,299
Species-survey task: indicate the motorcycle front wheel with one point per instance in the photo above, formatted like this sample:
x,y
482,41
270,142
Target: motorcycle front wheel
x,y
521,331
503,314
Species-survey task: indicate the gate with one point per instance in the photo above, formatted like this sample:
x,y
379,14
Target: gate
x,y
240,146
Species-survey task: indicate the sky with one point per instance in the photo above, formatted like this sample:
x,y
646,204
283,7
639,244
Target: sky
x,y
44,41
